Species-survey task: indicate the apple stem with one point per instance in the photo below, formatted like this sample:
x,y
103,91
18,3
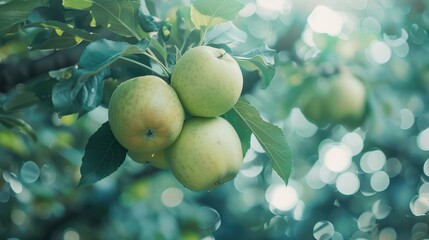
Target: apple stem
x,y
221,55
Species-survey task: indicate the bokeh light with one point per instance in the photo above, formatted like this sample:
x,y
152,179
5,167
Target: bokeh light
x,y
325,20
280,197
323,230
336,157
373,161
171,197
347,183
423,140
379,52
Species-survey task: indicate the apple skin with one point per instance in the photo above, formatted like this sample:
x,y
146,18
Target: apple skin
x,y
340,100
207,153
346,98
157,159
208,81
312,105
145,114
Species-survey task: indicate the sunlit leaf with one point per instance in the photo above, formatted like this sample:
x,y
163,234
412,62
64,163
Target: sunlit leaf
x,y
119,16
271,137
225,9
225,33
208,13
54,41
103,156
59,26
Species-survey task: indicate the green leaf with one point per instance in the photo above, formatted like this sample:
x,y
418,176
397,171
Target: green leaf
x,y
82,92
61,28
102,53
244,132
208,13
261,59
72,96
226,9
18,124
269,136
119,16
103,156
51,40
15,12
225,33
149,23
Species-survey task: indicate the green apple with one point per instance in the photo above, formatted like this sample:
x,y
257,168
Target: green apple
x,y
208,81
145,114
339,99
346,98
207,153
312,104
157,159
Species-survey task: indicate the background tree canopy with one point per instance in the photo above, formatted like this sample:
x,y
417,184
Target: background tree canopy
x,y
334,116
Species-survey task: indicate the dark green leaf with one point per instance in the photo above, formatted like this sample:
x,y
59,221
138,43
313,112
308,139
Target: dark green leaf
x,y
102,53
15,12
269,136
51,40
103,156
61,28
171,60
148,23
73,95
119,16
225,33
165,31
261,59
83,91
226,9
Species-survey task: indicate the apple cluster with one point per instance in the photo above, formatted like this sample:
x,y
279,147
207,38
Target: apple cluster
x,y
148,117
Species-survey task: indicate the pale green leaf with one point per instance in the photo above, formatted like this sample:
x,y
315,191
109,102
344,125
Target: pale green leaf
x,y
208,13
269,136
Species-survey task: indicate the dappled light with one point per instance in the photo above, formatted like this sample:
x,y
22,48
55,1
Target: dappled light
x,y
320,114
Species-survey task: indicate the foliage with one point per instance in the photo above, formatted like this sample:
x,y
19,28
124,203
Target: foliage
x,y
366,178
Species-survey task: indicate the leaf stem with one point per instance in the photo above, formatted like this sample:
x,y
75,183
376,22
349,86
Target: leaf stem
x,y
202,36
152,56
141,65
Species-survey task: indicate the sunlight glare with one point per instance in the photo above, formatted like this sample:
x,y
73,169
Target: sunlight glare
x,y
325,20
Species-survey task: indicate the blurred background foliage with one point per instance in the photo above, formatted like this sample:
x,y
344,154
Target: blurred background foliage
x,y
365,177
